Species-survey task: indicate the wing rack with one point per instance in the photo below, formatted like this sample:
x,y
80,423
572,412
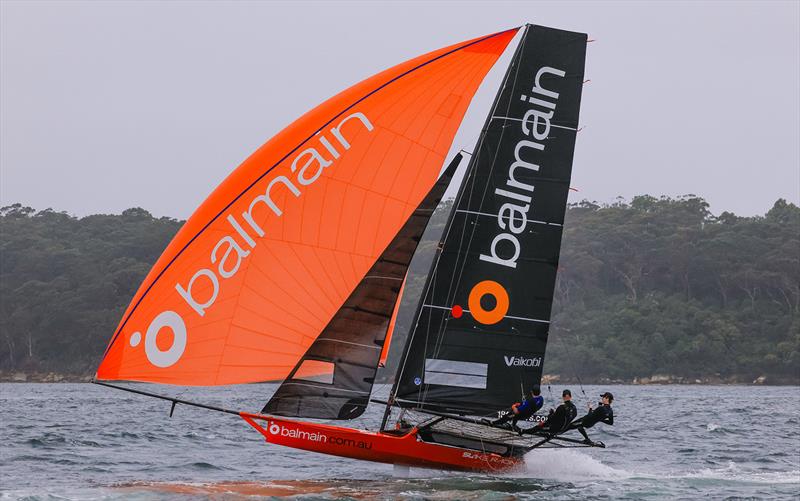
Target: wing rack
x,y
476,434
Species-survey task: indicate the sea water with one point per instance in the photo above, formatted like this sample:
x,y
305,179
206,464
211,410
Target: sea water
x,y
82,441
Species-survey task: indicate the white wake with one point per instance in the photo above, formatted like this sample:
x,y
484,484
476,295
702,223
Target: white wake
x,y
572,465
564,464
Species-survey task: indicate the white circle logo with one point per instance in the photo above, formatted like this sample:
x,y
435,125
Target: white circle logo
x,y
274,429
157,356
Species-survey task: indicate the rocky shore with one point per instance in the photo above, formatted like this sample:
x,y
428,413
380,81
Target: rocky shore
x,y
43,377
660,379
715,379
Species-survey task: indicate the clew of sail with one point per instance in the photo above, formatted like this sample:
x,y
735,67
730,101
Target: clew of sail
x,y
265,263
480,336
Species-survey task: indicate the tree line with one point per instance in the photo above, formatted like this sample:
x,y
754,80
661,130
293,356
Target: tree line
x,y
650,286
662,286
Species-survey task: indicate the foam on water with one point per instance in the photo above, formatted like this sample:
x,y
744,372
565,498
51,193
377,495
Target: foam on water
x,y
568,465
735,473
572,465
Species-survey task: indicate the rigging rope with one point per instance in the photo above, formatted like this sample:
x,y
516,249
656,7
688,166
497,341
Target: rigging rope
x,y
571,363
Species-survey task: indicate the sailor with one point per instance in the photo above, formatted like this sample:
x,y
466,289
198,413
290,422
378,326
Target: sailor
x,y
603,414
559,419
522,411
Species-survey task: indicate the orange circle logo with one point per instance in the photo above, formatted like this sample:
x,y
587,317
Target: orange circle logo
x,y
488,317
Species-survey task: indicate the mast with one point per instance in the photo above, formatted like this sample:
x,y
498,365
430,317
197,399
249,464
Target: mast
x,y
431,273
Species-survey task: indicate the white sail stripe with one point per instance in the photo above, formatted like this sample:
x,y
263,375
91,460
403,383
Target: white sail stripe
x,y
457,380
533,221
520,120
507,316
456,367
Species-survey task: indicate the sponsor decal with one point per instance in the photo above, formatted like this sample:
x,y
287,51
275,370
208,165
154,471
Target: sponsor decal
x,y
489,458
349,442
515,199
283,431
158,357
314,436
517,196
536,418
501,301
523,362
227,255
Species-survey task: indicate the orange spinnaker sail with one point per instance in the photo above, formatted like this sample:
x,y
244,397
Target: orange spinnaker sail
x,y
264,263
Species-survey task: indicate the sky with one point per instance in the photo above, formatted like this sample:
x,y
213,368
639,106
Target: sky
x,y
111,105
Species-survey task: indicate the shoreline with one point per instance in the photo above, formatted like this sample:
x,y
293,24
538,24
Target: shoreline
x,y
547,379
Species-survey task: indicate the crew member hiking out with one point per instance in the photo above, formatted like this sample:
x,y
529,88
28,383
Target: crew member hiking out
x,y
602,414
558,420
522,411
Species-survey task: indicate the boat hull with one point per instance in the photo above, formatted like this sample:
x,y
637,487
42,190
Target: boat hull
x,y
403,449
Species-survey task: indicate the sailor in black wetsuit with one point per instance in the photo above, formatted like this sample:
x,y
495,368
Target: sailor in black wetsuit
x,y
603,414
559,419
522,411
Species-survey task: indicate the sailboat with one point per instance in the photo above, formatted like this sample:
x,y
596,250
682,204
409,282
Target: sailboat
x,y
291,271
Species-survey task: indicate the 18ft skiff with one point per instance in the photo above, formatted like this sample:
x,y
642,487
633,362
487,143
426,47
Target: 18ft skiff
x,y
293,267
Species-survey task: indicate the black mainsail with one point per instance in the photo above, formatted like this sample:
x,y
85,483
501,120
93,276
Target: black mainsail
x,y
482,327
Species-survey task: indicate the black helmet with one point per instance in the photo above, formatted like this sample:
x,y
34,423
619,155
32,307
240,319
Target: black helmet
x,y
536,390
608,395
565,393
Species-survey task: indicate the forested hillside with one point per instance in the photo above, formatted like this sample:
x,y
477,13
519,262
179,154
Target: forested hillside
x,y
660,286
657,286
65,282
